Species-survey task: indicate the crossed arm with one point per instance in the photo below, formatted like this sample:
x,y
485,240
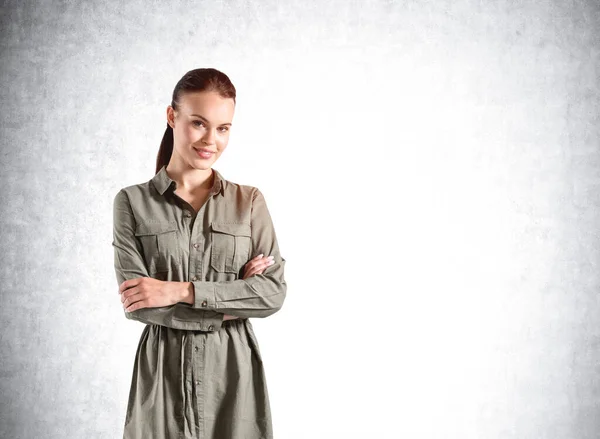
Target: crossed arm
x,y
201,305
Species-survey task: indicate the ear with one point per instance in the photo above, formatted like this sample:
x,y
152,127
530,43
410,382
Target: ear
x,y
171,116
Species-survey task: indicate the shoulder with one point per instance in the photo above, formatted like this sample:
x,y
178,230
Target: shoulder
x,y
249,197
134,192
246,191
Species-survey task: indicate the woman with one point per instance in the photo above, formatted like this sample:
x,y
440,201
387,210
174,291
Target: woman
x,y
195,256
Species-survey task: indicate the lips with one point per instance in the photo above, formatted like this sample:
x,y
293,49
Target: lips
x,y
204,153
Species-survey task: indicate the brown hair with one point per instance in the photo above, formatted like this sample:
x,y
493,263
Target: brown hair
x,y
205,79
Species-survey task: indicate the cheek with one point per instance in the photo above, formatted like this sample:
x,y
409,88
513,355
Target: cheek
x,y
190,135
184,138
222,141
186,134
220,148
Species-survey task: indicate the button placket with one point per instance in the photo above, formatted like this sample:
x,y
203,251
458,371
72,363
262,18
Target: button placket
x,y
198,346
196,248
195,262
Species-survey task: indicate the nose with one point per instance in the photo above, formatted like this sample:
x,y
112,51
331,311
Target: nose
x,y
209,137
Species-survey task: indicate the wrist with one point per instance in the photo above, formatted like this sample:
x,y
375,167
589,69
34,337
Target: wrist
x,y
187,293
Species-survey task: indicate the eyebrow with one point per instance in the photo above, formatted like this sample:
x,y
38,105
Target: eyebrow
x,y
206,120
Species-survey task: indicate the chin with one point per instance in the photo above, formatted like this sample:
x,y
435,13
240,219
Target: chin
x,y
202,164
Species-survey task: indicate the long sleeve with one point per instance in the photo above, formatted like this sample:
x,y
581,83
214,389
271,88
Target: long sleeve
x,y
259,295
129,263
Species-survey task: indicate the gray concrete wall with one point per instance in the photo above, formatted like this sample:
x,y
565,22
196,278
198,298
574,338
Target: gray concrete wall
x,y
443,158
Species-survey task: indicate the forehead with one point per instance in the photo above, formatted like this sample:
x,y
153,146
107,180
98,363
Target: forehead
x,y
208,104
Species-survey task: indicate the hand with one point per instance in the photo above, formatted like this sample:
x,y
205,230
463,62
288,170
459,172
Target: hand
x,y
256,265
147,292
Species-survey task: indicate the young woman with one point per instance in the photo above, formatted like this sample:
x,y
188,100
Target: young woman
x,y
196,256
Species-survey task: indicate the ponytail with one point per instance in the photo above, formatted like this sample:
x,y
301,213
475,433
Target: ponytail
x,y
166,149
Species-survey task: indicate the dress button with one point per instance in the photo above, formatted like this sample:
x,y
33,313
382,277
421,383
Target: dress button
x,y
198,382
196,245
194,278
204,303
210,328
196,348
188,215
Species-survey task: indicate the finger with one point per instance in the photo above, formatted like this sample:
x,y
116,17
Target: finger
x,y
249,273
130,292
146,303
134,298
256,270
136,305
256,265
261,262
252,272
125,285
251,266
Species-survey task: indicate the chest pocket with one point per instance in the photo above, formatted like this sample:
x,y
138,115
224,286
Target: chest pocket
x,y
230,246
160,245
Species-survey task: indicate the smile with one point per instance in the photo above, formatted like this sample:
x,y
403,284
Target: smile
x,y
203,153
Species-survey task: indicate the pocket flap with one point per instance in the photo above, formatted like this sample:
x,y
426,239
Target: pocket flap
x,y
242,229
155,227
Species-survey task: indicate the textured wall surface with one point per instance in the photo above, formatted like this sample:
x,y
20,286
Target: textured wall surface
x,y
442,156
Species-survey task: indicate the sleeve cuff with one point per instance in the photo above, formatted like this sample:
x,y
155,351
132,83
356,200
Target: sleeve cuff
x,y
204,296
213,321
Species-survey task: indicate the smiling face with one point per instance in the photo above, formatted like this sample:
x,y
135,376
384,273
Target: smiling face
x,y
202,123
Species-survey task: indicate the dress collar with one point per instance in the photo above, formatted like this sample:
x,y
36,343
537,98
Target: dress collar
x,y
162,182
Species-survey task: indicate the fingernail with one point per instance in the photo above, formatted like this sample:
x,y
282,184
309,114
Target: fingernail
x,y
271,257
260,256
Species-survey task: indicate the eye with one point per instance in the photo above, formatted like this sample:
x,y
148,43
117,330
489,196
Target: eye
x,y
198,123
224,129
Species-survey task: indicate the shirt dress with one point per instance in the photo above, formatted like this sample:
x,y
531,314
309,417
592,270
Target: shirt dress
x,y
196,375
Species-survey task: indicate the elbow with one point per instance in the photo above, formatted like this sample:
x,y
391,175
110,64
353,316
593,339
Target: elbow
x,y
268,295
274,303
279,298
133,315
261,314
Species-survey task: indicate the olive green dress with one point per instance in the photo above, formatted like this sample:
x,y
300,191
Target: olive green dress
x,y
196,375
